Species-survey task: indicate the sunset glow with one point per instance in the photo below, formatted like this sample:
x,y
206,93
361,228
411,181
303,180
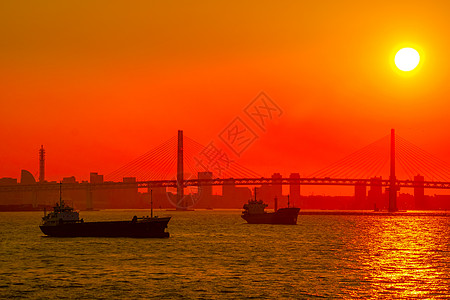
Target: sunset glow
x,y
100,93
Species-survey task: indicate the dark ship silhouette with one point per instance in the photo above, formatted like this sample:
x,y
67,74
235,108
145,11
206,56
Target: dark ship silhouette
x,y
254,213
65,222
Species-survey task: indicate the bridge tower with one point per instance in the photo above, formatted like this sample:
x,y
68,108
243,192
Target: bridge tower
x,y
41,164
180,185
392,180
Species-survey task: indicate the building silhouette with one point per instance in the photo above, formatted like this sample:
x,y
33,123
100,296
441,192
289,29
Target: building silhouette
x,y
205,191
361,197
233,196
294,191
419,193
375,195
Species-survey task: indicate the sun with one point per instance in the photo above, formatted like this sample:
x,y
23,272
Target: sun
x,y
407,59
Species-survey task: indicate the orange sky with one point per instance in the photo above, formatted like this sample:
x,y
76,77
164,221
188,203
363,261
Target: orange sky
x,y
102,82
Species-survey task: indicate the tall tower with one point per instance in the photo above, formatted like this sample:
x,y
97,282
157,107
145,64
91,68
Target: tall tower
x,y
41,164
392,179
180,184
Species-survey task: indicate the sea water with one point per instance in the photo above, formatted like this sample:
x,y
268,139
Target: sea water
x,y
216,255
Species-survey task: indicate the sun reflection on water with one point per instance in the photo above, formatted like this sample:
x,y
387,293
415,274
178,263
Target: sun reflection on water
x,y
406,255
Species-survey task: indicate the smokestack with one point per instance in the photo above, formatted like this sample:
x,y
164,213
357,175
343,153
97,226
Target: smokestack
x,y
41,164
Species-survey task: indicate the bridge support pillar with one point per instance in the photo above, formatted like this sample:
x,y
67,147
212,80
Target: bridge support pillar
x,y
181,203
392,180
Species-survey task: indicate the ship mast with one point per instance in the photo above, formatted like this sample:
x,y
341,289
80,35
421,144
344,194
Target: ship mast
x,y
60,194
151,203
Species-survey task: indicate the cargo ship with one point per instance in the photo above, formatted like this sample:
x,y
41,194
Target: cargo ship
x,y
254,213
64,221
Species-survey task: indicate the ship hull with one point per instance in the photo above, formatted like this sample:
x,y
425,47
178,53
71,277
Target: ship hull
x,y
287,216
153,228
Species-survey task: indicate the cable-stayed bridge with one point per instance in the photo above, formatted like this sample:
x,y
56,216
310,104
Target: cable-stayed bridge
x,y
194,166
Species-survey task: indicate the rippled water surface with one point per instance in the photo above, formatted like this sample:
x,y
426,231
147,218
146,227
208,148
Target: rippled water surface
x,y
215,255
